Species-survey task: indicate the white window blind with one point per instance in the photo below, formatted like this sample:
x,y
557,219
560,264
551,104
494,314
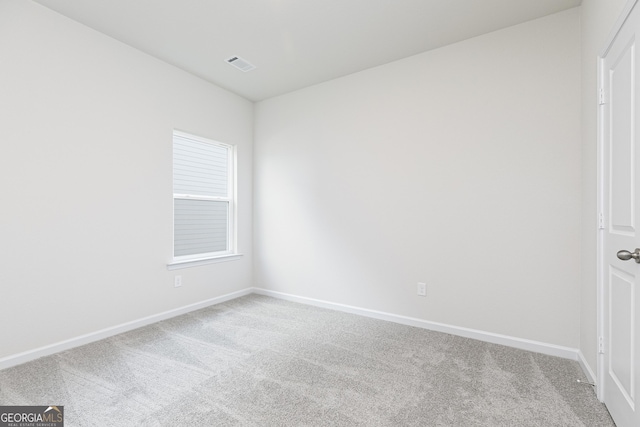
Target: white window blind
x,y
202,197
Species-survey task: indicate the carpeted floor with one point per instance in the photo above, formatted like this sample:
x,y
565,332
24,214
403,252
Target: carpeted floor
x,y
259,361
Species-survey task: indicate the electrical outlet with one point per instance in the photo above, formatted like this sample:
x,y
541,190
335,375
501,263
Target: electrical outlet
x,y
177,281
422,289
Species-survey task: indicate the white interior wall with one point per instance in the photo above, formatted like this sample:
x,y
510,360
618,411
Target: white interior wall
x,y
86,173
459,167
84,229
597,20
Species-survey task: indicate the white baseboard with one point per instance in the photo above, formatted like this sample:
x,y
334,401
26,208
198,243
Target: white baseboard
x,y
588,372
27,356
520,343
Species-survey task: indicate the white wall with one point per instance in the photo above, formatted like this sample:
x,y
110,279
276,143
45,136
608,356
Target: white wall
x,y
85,172
459,167
597,20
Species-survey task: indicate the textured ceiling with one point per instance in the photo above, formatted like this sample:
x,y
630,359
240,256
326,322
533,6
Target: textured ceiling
x,y
294,43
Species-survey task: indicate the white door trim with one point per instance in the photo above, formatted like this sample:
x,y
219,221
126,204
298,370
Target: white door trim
x,y
601,194
626,10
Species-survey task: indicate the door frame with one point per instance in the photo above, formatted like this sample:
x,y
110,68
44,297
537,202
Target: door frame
x,y
602,196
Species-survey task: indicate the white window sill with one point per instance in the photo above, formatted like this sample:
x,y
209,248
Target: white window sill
x,y
176,265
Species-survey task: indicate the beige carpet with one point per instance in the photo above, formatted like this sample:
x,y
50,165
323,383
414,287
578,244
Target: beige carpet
x,y
259,361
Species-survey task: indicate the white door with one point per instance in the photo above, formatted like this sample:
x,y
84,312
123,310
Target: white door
x,y
620,142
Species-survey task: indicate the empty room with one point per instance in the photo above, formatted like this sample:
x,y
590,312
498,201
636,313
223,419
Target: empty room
x,y
319,213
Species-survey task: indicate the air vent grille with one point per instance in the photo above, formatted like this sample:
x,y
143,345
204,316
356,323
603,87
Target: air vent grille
x,y
241,64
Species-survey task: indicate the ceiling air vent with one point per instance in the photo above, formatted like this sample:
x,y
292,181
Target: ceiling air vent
x,y
241,64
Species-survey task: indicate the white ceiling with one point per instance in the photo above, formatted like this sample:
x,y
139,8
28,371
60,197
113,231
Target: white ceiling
x,y
294,43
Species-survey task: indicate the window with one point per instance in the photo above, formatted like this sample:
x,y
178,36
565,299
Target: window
x,y
203,198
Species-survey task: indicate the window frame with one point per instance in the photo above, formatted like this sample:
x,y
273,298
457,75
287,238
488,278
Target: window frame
x,y
183,261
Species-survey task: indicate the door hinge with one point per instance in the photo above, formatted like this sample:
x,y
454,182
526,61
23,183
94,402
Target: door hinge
x,y
601,345
602,99
601,221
